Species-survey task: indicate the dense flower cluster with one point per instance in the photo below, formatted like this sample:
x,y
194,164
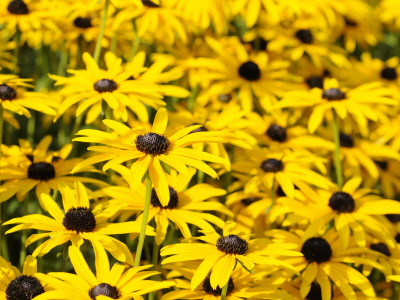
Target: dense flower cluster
x,y
186,149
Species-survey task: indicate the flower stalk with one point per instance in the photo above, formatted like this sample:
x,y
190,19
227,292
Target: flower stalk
x,y
336,139
139,248
97,49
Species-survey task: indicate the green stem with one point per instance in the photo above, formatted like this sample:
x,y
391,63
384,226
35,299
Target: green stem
x,y
114,41
97,49
22,253
63,63
156,253
3,243
192,98
31,128
144,222
224,291
136,43
336,139
17,39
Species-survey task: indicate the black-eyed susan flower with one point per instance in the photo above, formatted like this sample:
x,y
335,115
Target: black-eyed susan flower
x,y
241,285
220,255
25,168
325,261
357,102
185,206
76,223
91,86
262,169
233,68
25,285
15,98
150,149
119,282
353,211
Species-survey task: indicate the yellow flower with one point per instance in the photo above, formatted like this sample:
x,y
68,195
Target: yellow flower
x,y
90,87
260,169
150,149
17,285
78,223
15,98
185,206
357,102
221,254
350,208
119,282
24,168
325,261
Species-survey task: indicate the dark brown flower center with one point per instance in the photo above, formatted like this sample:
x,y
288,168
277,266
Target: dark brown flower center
x,y
149,3
224,98
173,199
394,218
397,238
105,85
104,289
389,73
305,36
316,250
152,143
7,92
79,219
83,22
42,171
342,202
24,287
250,71
381,248
333,94
18,7
216,292
232,244
346,140
315,82
272,165
276,133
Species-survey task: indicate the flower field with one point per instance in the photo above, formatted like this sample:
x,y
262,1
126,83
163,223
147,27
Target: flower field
x,y
186,149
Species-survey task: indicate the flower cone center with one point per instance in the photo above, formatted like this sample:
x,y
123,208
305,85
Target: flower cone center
x,y
104,289
381,248
83,22
18,7
346,140
316,250
79,219
7,92
342,202
272,165
276,133
216,292
305,36
105,85
173,199
41,171
152,143
24,287
250,71
149,3
389,73
333,94
315,82
232,244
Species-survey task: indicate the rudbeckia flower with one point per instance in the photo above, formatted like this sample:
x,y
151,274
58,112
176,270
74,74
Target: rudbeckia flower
x,y
241,285
77,224
150,149
15,98
222,254
325,261
185,206
25,168
32,18
261,169
119,282
353,211
251,74
91,86
357,102
16,285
